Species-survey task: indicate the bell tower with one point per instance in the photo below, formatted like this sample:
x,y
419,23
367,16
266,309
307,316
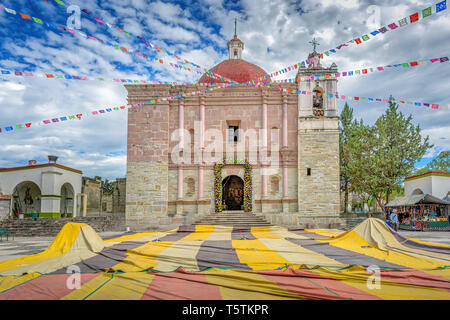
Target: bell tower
x,y
318,139
235,45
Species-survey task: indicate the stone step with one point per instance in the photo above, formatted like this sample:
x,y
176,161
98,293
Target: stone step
x,y
234,218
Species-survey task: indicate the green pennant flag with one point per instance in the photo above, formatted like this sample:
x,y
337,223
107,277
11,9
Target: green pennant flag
x,y
60,2
59,76
37,20
363,98
357,72
327,53
116,46
426,12
116,108
405,65
365,37
71,117
19,126
101,79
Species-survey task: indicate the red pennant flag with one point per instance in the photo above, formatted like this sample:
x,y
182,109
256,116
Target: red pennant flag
x,y
122,107
414,63
98,20
79,116
414,17
434,106
356,98
364,71
49,75
124,49
28,124
358,41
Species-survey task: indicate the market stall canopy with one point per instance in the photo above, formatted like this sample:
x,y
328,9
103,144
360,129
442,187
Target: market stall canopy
x,y
415,199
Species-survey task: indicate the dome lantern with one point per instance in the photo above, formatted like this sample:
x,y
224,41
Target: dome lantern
x,y
235,45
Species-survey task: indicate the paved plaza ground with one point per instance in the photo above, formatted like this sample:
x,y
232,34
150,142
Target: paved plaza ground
x,y
23,246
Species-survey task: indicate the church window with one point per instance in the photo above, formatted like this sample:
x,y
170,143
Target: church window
x,y
233,133
308,171
235,54
275,184
190,184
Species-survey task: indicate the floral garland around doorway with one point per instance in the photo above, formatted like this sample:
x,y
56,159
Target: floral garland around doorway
x,y
247,183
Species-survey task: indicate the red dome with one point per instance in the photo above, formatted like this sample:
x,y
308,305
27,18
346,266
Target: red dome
x,y
234,69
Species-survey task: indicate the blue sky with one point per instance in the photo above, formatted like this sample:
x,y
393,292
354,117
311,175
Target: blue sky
x,y
276,34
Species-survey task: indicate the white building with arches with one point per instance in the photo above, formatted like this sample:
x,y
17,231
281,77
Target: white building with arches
x,y
434,183
49,190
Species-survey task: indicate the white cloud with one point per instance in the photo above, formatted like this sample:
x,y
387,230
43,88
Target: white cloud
x,y
276,34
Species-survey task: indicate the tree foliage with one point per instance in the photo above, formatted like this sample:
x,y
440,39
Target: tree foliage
x,y
379,157
440,163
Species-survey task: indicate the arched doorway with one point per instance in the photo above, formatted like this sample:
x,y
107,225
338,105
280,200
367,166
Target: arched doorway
x,y
26,198
233,193
417,192
67,195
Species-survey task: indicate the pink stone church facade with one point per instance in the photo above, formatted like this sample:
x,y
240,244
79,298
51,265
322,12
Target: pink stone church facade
x,y
287,171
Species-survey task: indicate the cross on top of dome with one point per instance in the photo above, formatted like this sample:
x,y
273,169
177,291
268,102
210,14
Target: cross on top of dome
x,y
314,43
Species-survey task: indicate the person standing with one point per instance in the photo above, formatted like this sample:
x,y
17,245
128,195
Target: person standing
x,y
394,219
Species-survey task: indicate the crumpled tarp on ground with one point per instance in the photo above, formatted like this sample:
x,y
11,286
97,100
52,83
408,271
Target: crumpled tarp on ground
x,y
217,262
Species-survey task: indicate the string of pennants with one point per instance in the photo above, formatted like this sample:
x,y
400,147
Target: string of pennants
x,y
438,7
363,71
80,116
101,20
5,72
413,18
123,49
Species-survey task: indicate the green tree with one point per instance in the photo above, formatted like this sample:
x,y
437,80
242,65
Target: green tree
x,y
108,185
440,163
345,126
385,153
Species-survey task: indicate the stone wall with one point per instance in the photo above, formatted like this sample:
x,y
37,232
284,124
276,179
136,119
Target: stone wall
x,y
296,220
50,227
93,189
318,166
119,195
5,202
